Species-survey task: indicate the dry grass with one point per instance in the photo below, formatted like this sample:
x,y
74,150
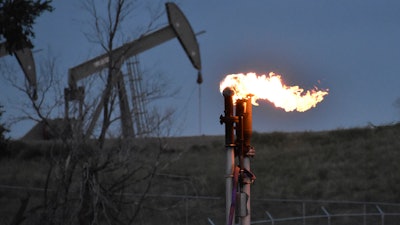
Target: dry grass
x,y
359,164
356,164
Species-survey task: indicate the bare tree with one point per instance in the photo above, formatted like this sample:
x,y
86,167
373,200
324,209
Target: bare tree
x,y
105,29
94,181
86,183
49,100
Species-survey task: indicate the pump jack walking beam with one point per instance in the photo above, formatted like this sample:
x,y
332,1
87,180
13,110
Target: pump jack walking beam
x,y
25,60
178,27
127,129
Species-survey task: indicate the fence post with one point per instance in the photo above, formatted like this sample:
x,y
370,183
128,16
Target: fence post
x,y
210,221
270,217
365,213
304,212
186,205
327,214
382,214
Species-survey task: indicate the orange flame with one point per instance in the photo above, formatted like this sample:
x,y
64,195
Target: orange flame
x,y
271,88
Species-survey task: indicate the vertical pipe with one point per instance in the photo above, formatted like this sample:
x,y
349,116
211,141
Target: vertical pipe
x,y
247,132
230,149
246,189
247,125
243,133
230,161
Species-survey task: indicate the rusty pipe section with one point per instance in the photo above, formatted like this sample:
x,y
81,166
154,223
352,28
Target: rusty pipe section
x,y
229,119
244,110
243,136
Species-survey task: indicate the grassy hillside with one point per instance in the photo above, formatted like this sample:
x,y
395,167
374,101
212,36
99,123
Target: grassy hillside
x,y
359,164
355,164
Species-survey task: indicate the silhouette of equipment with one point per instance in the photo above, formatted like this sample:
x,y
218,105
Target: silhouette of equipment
x,y
27,63
178,27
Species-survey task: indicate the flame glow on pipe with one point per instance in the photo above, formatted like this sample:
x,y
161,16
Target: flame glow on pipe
x,y
271,88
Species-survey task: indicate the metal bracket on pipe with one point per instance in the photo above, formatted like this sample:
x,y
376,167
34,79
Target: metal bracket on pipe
x,y
225,119
249,175
250,151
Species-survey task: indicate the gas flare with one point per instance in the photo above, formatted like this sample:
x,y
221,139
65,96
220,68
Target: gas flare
x,y
271,88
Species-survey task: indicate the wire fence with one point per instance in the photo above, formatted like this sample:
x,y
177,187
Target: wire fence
x,y
310,212
168,208
271,211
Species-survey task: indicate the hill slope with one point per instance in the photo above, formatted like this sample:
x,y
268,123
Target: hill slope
x,y
359,164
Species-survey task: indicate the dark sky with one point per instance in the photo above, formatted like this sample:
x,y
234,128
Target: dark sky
x,y
349,47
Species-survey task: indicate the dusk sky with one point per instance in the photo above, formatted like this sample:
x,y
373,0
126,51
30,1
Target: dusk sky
x,y
351,48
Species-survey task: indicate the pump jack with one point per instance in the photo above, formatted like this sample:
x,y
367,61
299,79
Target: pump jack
x,y
178,27
25,60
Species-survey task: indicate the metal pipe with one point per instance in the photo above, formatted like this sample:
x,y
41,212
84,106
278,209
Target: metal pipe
x,y
241,124
228,119
246,189
240,112
247,130
244,111
247,123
